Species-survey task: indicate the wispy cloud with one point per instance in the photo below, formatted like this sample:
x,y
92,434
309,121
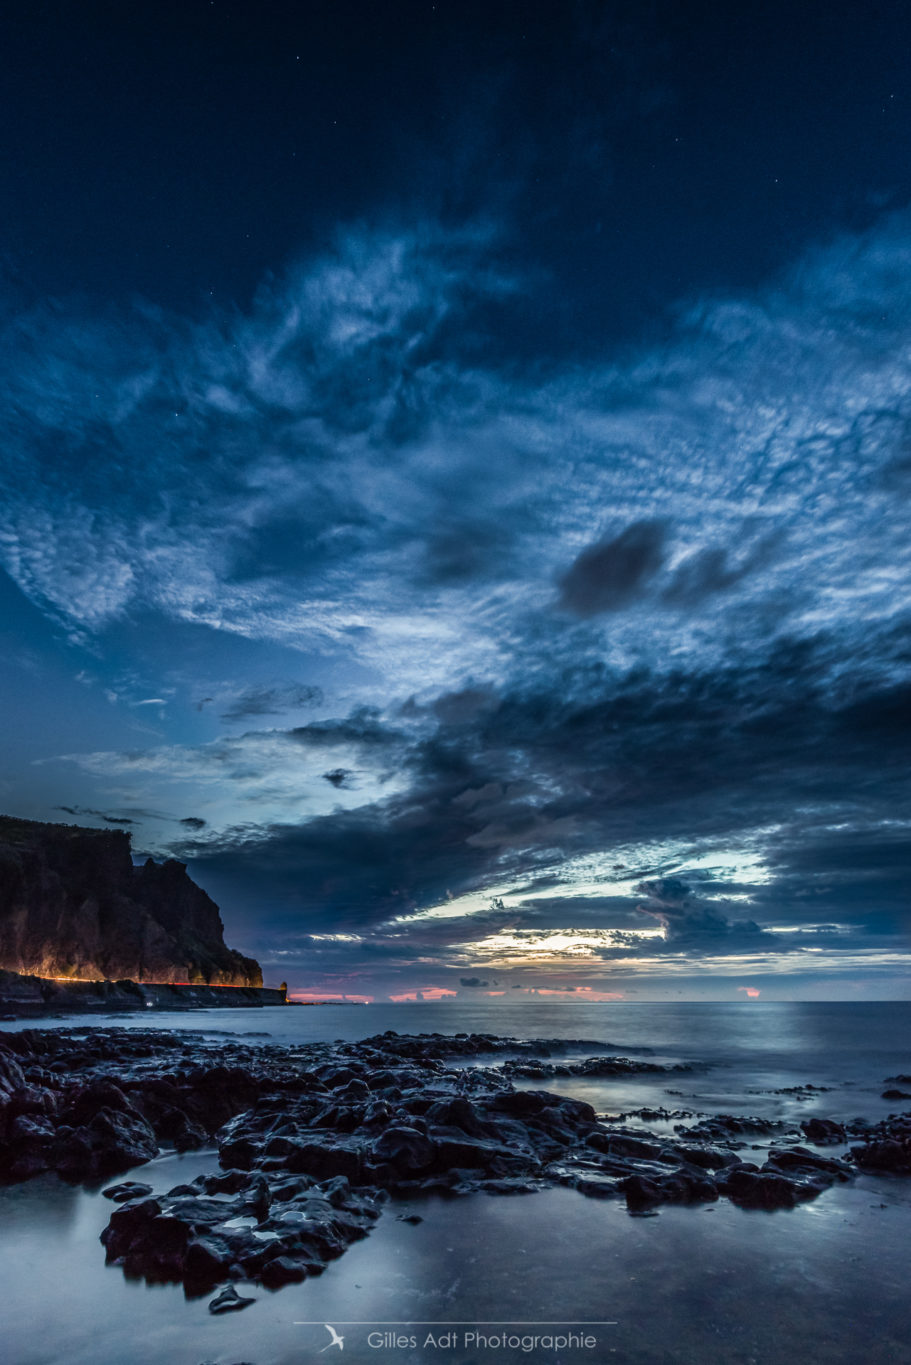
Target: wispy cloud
x,y
337,466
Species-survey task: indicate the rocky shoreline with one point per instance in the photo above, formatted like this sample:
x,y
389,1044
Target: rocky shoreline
x,y
313,1141
37,997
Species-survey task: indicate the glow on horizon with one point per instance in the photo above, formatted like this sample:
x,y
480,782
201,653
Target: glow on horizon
x,y
424,994
305,997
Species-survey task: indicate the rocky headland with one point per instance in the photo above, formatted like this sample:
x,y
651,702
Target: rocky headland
x,y
310,1143
74,905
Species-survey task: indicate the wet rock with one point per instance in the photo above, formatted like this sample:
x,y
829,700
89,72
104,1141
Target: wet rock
x,y
325,1159
283,1270
132,1189
599,1185
708,1157
823,1132
208,1260
240,1153
458,1112
886,1146
463,1152
624,1145
589,1066
407,1149
203,1239
509,1185
523,1104
229,1301
125,1224
723,1126
228,1183
892,1154
641,1193
111,1141
801,1161
258,1199
753,1189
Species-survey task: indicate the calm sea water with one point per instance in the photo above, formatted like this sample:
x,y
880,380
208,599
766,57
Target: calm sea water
x,y
826,1282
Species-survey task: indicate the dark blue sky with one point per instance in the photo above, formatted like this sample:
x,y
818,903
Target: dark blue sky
x,y
455,480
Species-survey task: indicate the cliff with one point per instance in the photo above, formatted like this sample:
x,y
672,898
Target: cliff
x,y
72,904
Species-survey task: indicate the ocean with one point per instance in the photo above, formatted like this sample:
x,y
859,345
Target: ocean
x,y
552,1276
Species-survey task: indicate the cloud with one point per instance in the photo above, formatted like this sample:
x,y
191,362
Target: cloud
x,y
99,814
688,918
594,766
475,982
714,570
855,866
193,823
272,701
365,469
627,774
338,777
611,574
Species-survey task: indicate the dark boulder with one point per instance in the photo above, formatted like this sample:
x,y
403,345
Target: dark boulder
x,y
208,1259
801,1161
132,1189
708,1157
823,1132
891,1154
406,1149
283,1270
125,1225
765,1189
111,1141
641,1193
326,1159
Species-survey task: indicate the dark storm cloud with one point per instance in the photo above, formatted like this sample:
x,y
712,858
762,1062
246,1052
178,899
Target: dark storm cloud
x,y
458,552
859,868
363,729
714,570
688,918
193,823
613,573
99,814
581,912
338,777
475,982
534,777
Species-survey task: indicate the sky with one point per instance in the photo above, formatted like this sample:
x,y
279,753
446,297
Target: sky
x,y
455,478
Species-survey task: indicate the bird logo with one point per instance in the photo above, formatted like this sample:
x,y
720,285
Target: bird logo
x,y
336,1339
